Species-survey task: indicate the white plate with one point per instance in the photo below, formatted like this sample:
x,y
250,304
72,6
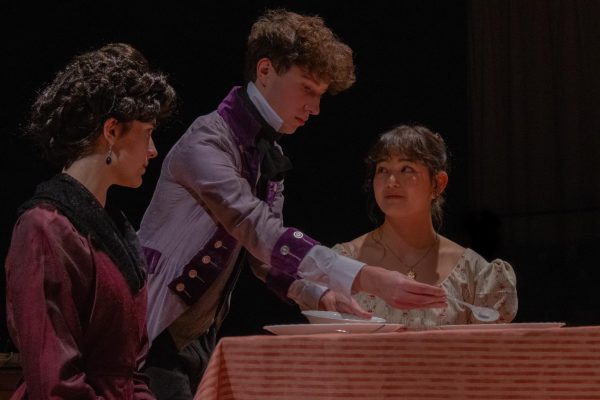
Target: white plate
x,y
311,329
515,325
333,317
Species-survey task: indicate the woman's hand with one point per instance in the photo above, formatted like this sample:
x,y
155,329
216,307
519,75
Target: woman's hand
x,y
398,290
333,301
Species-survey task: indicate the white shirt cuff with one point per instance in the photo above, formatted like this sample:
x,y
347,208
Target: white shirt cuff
x,y
325,266
306,294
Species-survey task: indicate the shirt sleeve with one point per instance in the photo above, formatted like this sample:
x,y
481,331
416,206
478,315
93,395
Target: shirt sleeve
x,y
321,264
207,165
43,318
306,294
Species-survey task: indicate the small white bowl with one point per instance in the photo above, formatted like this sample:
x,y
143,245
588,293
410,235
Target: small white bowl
x,y
333,317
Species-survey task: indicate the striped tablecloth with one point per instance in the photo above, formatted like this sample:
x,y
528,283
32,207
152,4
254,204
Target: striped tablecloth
x,y
557,363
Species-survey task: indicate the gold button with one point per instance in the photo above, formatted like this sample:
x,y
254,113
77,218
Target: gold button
x,y
218,244
180,287
298,235
192,273
284,250
205,259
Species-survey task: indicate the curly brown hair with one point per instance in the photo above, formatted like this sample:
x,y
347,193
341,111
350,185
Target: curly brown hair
x,y
114,81
287,39
417,143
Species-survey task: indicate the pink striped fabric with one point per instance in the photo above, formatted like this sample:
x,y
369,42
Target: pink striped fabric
x,y
558,363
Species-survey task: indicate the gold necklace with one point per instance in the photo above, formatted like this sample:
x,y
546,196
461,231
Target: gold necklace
x,y
411,268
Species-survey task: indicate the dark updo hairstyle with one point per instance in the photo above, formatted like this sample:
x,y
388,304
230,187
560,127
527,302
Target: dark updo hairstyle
x,y
114,81
417,143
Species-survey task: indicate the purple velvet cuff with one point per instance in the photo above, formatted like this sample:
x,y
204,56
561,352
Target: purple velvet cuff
x,y
200,273
290,249
152,257
286,256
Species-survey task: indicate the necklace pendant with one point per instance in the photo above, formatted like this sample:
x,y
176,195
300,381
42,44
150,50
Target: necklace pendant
x,y
411,274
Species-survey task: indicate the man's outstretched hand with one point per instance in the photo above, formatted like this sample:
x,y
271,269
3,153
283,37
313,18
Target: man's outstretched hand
x,y
398,290
333,301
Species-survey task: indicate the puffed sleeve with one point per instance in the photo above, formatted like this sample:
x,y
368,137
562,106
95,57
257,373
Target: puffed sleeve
x,y
496,287
47,271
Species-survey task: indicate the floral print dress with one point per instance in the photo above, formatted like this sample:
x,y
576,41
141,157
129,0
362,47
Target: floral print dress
x,y
473,280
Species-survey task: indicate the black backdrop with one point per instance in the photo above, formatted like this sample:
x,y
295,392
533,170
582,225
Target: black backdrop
x,y
412,66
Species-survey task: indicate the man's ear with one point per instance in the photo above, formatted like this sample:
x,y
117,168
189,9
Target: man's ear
x,y
264,69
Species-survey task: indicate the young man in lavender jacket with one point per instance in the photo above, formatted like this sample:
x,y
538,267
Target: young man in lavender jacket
x,y
219,196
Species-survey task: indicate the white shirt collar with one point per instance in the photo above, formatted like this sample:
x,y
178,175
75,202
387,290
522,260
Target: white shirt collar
x,y
263,107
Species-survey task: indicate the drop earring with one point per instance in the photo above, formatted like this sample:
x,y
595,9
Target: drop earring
x,y
109,155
